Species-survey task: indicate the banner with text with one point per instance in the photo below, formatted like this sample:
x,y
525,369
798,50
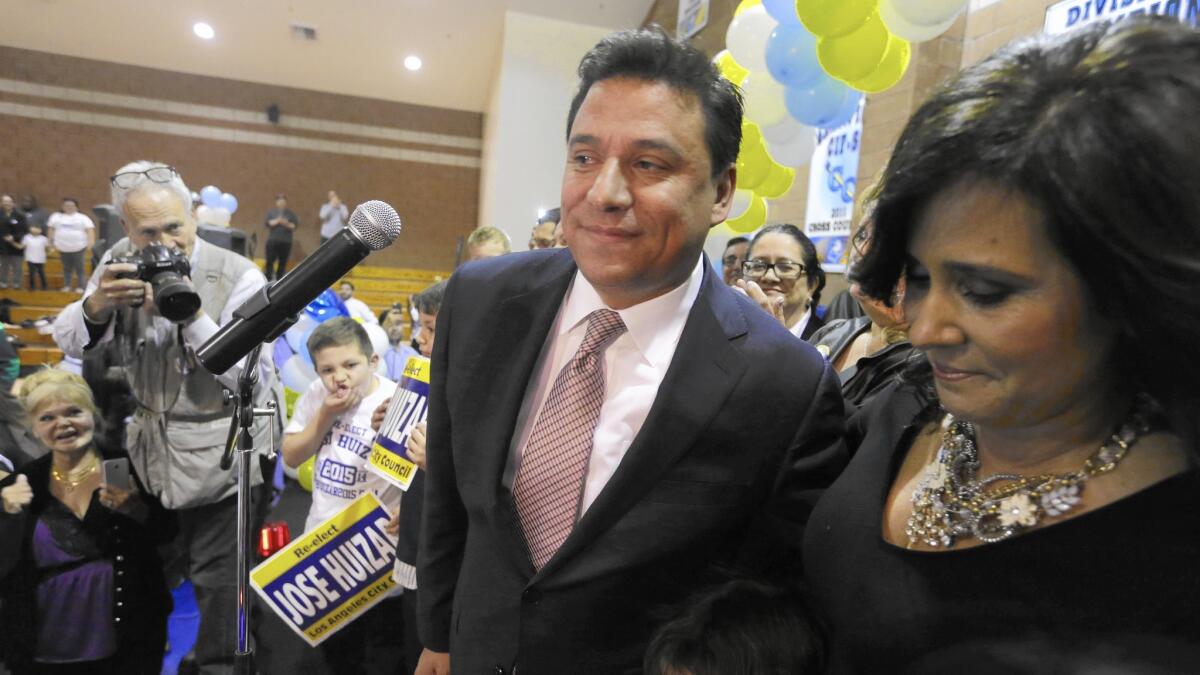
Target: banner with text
x,y
332,574
389,455
1071,14
832,183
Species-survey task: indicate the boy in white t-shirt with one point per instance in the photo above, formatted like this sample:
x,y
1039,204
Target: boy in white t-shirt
x,y
332,420
34,246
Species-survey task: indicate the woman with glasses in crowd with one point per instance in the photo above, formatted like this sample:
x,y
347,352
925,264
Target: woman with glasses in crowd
x,y
783,275
1035,478
82,587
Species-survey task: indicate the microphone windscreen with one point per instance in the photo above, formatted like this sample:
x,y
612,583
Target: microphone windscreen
x,y
375,223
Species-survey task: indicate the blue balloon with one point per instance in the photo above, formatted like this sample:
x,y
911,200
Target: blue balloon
x,y
792,56
326,306
783,11
826,105
210,196
229,202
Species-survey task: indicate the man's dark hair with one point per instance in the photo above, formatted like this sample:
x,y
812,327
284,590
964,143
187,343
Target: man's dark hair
x,y
340,332
346,283
551,216
429,300
735,241
72,200
814,274
741,626
1097,129
649,54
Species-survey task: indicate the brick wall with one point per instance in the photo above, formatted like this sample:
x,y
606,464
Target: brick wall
x,y
66,123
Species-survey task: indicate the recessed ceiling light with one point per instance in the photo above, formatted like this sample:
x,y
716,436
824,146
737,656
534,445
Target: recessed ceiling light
x,y
203,30
412,62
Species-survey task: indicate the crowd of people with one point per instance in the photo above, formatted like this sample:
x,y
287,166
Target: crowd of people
x,y
981,456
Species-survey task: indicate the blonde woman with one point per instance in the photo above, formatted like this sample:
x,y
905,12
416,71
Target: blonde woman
x,y
84,591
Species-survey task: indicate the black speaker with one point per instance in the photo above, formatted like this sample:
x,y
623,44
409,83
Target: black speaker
x,y
229,238
273,113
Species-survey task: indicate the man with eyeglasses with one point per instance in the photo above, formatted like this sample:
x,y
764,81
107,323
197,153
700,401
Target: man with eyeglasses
x,y
732,259
176,435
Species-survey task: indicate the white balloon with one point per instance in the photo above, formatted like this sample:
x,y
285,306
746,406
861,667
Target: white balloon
x,y
379,339
207,215
296,374
783,131
747,36
765,105
928,12
741,202
903,28
796,152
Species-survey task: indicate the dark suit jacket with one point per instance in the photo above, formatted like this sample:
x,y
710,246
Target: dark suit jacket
x,y
744,434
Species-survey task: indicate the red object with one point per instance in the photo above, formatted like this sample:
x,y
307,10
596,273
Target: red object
x,y
272,538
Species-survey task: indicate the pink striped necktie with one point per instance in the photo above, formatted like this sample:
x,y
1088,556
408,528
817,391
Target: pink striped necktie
x,y
550,477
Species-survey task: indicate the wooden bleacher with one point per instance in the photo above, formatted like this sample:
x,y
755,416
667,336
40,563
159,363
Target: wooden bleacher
x,y
379,287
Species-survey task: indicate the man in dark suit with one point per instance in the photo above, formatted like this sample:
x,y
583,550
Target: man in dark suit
x,y
610,423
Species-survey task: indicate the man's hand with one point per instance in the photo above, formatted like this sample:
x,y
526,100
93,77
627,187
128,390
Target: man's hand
x,y
773,306
17,496
379,414
433,663
416,446
115,291
341,400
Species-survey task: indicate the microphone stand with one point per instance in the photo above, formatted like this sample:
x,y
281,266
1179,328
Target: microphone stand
x,y
243,420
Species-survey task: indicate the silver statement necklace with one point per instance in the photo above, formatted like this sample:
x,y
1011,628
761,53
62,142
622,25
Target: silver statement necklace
x,y
952,501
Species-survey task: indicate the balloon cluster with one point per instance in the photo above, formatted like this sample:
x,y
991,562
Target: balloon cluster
x,y
216,207
804,65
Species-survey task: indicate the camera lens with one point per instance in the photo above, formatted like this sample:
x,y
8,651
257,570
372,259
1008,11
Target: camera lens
x,y
174,298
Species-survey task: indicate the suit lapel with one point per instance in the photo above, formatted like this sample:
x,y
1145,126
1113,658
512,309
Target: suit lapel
x,y
499,378
701,376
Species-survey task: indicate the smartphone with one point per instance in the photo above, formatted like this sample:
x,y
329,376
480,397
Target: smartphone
x,y
115,473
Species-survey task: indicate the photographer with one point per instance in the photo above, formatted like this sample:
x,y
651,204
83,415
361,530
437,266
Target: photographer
x,y
160,293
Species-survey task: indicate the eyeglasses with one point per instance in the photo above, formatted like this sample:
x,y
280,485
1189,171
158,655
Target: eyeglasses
x,y
784,269
158,174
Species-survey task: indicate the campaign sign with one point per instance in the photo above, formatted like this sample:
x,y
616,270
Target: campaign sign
x,y
389,455
1066,16
332,574
832,184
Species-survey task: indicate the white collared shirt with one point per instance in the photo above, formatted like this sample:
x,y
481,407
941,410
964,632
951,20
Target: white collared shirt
x,y
634,366
798,328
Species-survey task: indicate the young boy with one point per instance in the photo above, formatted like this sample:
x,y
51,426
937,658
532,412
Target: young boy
x,y
34,245
332,420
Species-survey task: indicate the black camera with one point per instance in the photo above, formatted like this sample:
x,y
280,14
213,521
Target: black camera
x,y
164,268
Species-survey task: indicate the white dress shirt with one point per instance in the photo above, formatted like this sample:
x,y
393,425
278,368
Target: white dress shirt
x,y
71,333
361,311
634,364
797,329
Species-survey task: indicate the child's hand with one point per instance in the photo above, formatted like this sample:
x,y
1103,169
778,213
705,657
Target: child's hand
x,y
379,414
342,399
416,446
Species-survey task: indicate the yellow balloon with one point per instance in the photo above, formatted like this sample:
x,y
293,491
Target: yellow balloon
x,y
857,55
777,182
834,18
751,134
745,5
752,219
729,68
753,163
891,68
305,473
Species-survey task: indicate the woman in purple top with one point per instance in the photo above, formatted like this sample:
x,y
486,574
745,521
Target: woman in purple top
x,y
83,589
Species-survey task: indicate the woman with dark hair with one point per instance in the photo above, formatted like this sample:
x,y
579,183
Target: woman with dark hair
x,y
782,273
1037,475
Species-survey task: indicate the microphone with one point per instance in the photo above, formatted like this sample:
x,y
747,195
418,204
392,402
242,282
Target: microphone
x,y
373,225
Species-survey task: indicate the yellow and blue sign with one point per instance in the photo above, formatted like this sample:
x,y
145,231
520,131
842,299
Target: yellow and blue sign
x,y
332,574
389,455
